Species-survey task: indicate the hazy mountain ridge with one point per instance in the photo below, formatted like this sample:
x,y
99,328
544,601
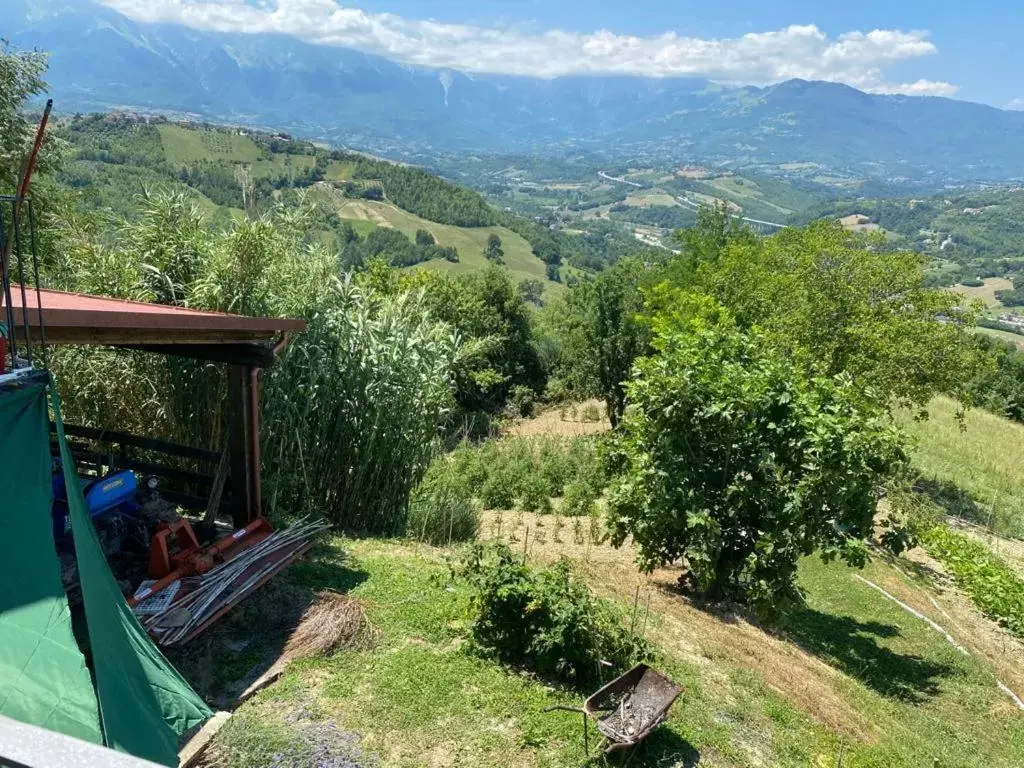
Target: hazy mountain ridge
x,y
102,60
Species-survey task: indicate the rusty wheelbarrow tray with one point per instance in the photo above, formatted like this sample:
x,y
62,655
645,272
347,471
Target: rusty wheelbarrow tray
x,y
628,708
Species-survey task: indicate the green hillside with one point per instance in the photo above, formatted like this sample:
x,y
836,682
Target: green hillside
x,y
230,171
968,235
470,242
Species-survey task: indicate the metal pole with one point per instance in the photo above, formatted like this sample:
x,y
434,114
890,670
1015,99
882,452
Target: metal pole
x,y
16,228
5,285
39,294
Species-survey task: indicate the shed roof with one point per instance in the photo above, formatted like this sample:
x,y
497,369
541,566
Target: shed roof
x,y
76,318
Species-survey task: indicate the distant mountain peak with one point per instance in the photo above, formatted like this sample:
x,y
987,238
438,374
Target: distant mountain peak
x,y
101,59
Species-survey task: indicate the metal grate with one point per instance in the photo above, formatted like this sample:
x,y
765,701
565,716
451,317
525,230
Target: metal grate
x,y
21,350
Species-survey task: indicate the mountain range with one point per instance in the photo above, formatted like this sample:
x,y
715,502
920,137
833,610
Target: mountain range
x,y
101,60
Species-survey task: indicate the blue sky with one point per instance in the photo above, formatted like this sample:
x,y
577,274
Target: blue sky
x,y
968,50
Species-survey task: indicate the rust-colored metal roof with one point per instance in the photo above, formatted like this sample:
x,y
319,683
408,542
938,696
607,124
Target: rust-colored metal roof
x,y
77,318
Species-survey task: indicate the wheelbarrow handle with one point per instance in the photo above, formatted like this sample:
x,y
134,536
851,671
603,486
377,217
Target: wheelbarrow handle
x,y
564,708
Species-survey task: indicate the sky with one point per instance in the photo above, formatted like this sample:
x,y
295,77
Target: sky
x,y
969,51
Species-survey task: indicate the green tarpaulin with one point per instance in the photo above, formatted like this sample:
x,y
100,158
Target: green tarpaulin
x,y
144,704
43,677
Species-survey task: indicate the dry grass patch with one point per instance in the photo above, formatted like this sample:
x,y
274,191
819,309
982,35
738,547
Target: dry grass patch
x,y
563,421
986,292
333,622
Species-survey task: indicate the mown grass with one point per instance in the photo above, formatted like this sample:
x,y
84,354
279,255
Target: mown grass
x,y
470,242
281,165
977,470
418,698
1016,339
183,146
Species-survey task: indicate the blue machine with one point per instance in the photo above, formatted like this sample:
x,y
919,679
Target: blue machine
x,y
103,495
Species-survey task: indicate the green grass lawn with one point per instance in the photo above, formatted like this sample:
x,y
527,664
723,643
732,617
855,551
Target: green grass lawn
x,y
187,145
1016,339
340,171
982,461
418,697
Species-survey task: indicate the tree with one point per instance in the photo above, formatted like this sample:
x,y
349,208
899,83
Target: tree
x,y
531,290
423,237
837,303
498,351
493,251
601,333
734,462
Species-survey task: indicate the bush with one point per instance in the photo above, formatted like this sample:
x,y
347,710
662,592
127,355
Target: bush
x,y
522,401
734,462
441,509
534,496
555,466
499,489
579,499
545,619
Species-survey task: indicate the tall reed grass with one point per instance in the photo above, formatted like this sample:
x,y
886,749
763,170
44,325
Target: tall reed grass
x,y
352,410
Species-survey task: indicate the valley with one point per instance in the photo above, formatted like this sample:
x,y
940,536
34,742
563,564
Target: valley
x,y
577,373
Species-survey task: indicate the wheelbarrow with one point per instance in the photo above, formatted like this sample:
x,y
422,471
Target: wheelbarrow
x,y
628,708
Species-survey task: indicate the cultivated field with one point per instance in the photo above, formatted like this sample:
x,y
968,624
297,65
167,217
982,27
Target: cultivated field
x,y
986,292
648,198
469,242
183,146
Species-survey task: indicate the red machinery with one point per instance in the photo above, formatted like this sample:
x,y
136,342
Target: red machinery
x,y
175,552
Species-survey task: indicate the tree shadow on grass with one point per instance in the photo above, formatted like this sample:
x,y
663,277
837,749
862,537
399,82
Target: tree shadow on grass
x,y
954,500
853,647
223,661
848,644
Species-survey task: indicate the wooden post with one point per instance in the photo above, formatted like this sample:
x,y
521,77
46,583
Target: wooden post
x,y
243,444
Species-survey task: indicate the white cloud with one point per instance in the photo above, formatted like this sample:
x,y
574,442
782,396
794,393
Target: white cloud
x,y
1017,104
804,51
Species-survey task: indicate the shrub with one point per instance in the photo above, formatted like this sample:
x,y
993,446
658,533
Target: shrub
x,y
521,401
579,499
545,619
553,466
534,495
733,461
499,489
442,509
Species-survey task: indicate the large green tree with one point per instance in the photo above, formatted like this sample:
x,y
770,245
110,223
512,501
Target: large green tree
x,y
836,302
735,462
760,428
